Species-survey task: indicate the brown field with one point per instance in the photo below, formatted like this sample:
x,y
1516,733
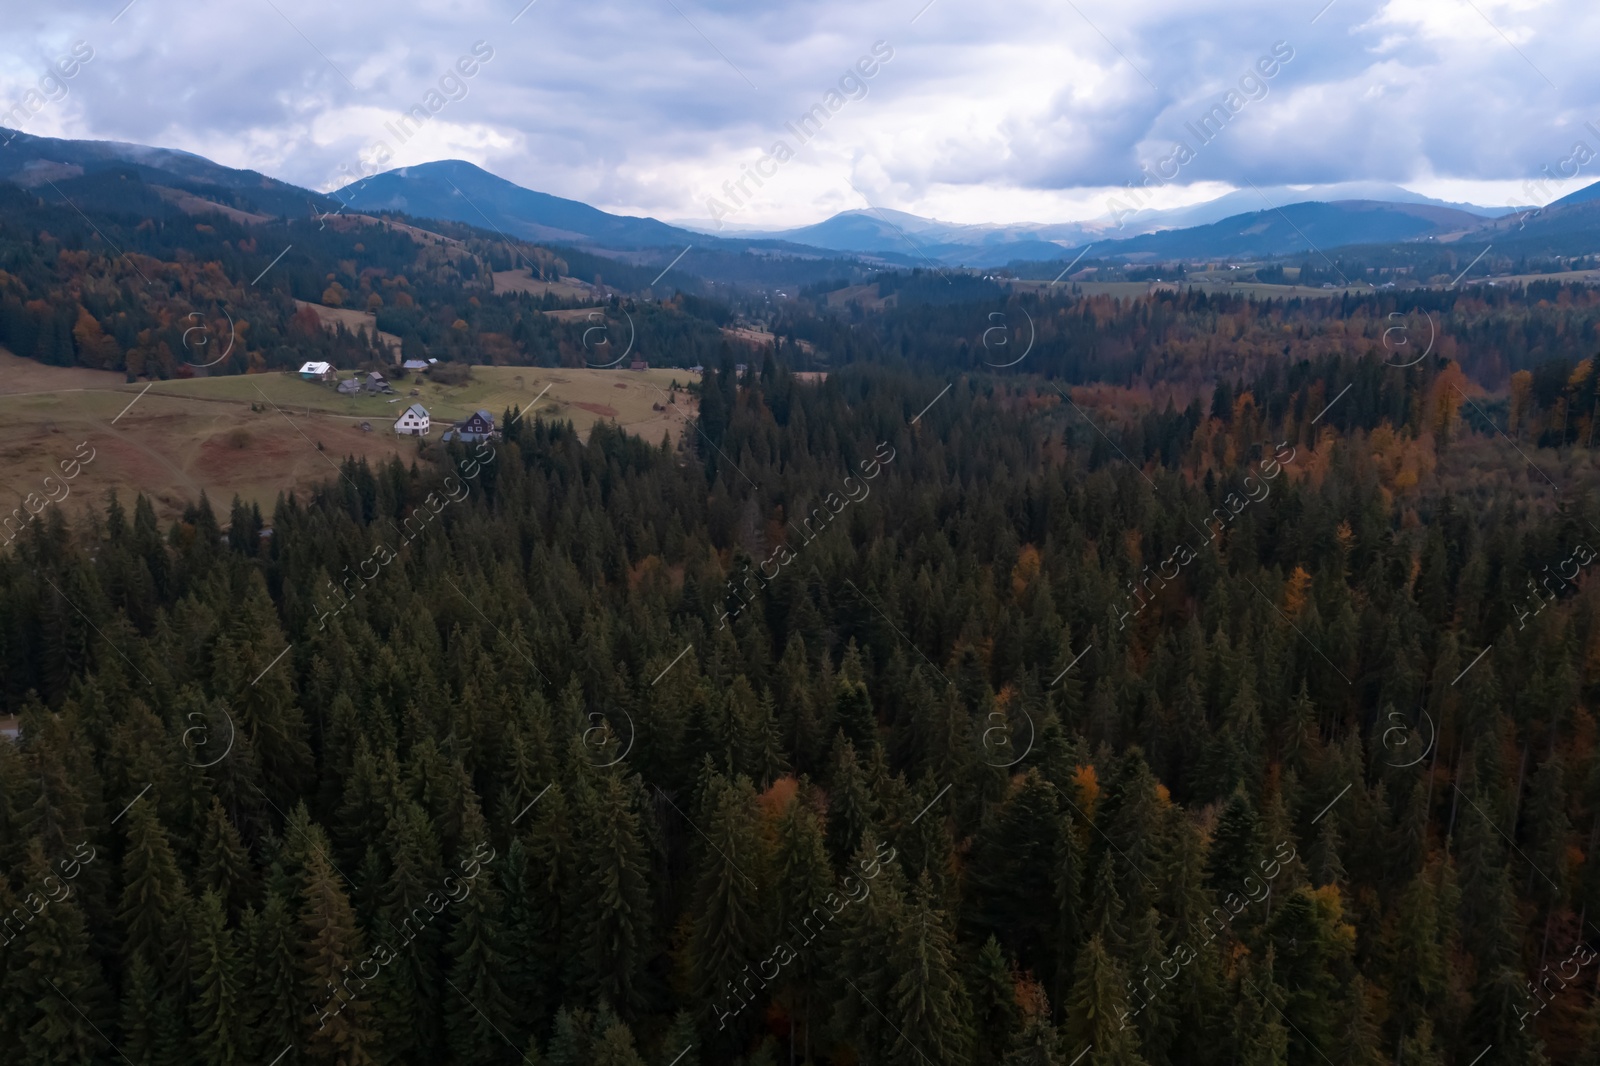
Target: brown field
x,y
865,295
171,449
522,280
190,204
173,439
19,376
354,321
757,339
575,314
348,222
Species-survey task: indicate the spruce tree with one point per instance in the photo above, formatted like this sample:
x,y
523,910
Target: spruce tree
x,y
153,891
1096,1011
803,882
614,913
338,1029
59,976
480,1008
217,1007
272,979
995,1013
928,997
1235,847
224,863
731,928
615,1047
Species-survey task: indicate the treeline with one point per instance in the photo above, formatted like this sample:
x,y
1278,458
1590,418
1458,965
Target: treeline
x,y
1189,338
904,727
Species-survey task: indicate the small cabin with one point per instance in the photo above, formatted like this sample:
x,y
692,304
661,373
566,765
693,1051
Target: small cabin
x,y
317,372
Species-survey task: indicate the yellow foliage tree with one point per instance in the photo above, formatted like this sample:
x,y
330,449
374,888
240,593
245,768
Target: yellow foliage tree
x,y
1294,592
1026,570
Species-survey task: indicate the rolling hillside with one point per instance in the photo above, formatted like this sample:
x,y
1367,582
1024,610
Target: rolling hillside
x,y
259,435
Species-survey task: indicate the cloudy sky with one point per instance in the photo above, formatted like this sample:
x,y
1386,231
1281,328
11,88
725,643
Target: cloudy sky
x,y
1036,110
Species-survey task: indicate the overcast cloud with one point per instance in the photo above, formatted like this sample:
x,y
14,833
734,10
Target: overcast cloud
x,y
1035,110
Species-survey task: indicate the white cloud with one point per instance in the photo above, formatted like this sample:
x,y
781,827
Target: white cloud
x,y
1033,111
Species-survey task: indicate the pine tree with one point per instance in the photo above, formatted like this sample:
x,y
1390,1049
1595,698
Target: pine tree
x,y
519,924
572,1039
865,933
153,892
803,882
731,932
1262,1037
928,997
1011,872
273,978
1068,873
411,994
614,915
217,1006
1107,919
1421,1049
59,976
1096,1011
338,1030
1358,1042
1235,846
1036,1046
224,863
850,804
141,1008
996,1016
678,1047
854,712
615,1047
1302,945
480,1007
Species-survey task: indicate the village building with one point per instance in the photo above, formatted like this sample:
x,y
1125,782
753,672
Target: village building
x,y
317,372
479,426
413,421
351,387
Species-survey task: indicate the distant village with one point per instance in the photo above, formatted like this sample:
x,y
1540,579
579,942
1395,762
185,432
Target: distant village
x,y
414,421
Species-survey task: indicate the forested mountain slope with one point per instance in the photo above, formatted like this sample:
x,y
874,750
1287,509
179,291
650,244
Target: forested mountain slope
x,y
905,724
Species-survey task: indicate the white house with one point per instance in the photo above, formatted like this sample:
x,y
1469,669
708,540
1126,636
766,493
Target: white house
x,y
316,372
413,421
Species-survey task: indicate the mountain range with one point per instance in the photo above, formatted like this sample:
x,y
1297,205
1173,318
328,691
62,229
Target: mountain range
x,y
1275,221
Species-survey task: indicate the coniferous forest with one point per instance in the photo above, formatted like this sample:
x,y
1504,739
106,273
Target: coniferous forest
x,y
1213,687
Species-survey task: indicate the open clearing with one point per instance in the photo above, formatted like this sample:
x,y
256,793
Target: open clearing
x,y
180,437
522,280
354,321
